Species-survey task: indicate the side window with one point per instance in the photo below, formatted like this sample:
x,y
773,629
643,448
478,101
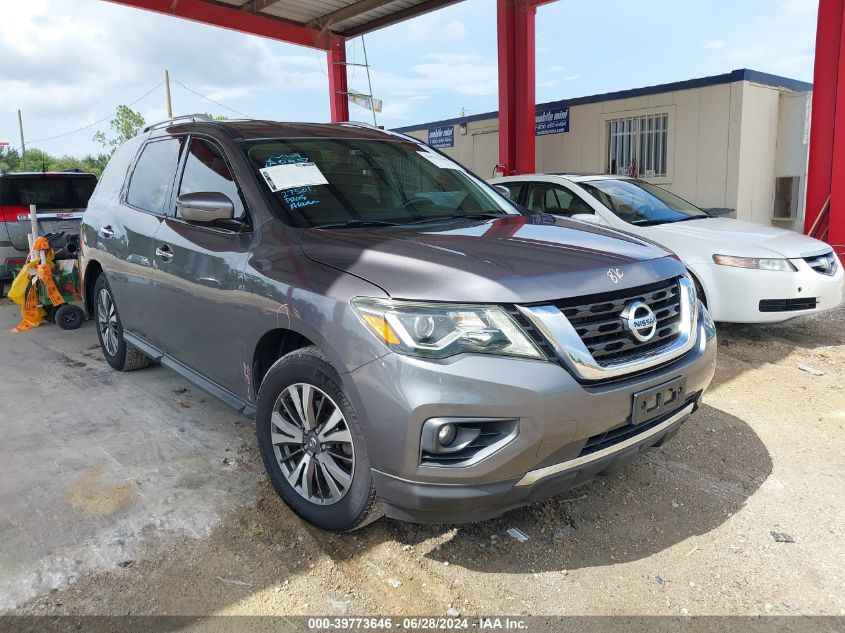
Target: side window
x,y
556,200
577,205
541,198
153,175
206,170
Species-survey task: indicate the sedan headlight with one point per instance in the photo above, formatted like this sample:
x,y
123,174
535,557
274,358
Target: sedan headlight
x,y
759,263
439,330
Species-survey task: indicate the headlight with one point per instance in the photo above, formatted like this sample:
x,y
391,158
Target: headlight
x,y
692,287
439,330
760,263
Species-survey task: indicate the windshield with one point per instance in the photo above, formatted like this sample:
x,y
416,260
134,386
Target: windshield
x,y
641,203
350,182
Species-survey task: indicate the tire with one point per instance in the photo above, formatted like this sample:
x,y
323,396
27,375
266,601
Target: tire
x,y
117,352
334,489
69,316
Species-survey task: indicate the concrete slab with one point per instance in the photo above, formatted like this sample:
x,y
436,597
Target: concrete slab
x,y
100,465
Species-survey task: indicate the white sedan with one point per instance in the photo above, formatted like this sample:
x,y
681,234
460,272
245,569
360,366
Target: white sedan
x,y
745,272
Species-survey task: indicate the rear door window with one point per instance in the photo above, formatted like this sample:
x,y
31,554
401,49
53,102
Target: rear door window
x,y
47,191
152,178
206,171
546,198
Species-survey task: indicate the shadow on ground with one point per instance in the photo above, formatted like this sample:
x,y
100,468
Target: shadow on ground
x,y
686,488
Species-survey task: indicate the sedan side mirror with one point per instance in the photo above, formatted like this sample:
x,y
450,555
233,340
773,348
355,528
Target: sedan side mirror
x,y
205,206
502,190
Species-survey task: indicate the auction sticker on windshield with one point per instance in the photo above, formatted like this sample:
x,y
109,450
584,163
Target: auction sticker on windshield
x,y
281,177
439,161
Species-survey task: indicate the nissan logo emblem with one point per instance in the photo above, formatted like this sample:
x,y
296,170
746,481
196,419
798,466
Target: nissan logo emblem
x,y
640,321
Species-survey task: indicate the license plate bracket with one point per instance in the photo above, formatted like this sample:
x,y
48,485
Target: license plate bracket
x,y
654,402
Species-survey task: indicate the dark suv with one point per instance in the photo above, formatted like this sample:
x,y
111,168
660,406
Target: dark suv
x,y
407,341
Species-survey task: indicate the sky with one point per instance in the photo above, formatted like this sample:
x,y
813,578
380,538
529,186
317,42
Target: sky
x,y
69,63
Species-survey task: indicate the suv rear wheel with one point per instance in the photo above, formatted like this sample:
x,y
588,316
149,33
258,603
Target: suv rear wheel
x,y
118,353
312,445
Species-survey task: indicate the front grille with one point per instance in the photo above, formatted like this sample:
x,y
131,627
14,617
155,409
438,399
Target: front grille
x,y
824,264
597,320
788,305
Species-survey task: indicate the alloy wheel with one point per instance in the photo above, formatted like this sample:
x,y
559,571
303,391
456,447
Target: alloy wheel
x,y
312,443
107,321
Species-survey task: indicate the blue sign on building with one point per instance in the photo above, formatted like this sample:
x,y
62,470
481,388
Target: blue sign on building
x,y
441,136
551,121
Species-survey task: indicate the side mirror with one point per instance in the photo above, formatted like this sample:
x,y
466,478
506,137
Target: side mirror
x,y
205,206
592,218
504,191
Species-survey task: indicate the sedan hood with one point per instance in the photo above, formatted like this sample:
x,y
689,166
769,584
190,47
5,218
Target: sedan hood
x,y
735,237
514,259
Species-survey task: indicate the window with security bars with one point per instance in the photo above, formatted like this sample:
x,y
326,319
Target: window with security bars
x,y
637,146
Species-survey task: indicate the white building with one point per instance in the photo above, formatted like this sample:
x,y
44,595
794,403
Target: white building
x,y
736,141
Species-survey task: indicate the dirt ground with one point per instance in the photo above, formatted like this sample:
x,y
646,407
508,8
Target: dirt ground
x,y
743,512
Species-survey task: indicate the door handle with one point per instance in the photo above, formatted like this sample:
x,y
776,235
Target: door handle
x,y
164,252
107,231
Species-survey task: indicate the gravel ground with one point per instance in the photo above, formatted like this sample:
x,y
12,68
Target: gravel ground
x,y
741,513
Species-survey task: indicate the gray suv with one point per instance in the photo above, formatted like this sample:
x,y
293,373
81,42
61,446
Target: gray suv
x,y
407,340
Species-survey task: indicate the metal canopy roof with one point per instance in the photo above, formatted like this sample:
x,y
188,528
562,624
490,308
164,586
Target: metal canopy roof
x,y
348,18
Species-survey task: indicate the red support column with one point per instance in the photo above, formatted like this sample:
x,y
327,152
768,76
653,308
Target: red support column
x,y
825,209
338,87
515,20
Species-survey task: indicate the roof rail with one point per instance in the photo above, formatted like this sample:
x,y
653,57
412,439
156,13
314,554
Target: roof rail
x,y
370,126
184,117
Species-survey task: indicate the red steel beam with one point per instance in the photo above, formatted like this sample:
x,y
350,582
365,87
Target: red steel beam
x,y
338,86
515,23
827,131
231,17
836,213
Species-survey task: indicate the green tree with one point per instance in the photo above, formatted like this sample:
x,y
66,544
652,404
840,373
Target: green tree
x,y
10,159
125,124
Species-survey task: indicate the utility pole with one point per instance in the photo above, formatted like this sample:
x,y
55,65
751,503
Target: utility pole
x,y
23,146
369,83
167,94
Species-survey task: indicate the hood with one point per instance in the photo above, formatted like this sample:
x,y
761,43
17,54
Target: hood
x,y
514,259
727,236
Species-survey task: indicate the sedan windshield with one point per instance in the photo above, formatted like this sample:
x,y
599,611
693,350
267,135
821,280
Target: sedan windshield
x,y
346,183
641,203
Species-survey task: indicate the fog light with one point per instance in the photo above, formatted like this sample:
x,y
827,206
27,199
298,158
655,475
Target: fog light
x,y
446,434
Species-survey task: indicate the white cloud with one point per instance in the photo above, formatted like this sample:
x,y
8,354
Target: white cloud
x,y
716,44
68,67
454,30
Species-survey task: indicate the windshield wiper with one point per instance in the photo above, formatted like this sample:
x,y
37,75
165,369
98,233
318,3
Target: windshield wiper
x,y
354,224
691,217
468,216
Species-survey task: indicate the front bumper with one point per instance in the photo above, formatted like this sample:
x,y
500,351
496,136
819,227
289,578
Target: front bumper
x,y
556,415
734,294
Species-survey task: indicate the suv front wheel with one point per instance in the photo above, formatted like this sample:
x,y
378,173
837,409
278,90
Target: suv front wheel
x,y
312,445
118,353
